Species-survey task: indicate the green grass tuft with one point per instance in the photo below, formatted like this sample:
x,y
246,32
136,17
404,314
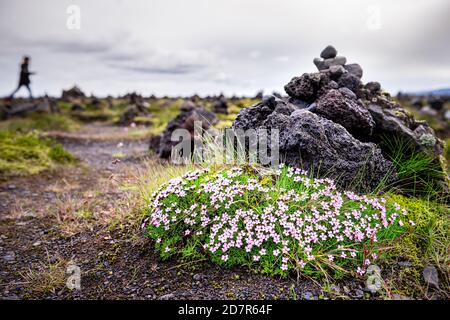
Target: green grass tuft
x,y
28,154
418,174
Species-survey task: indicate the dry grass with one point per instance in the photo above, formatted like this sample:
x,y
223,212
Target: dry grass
x,y
110,134
116,202
23,208
149,177
73,214
45,278
62,186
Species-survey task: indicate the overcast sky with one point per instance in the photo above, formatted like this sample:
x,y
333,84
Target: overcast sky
x,y
181,47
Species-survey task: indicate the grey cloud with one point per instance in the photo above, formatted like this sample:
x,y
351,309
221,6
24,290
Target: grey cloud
x,y
159,61
208,46
169,70
87,47
57,44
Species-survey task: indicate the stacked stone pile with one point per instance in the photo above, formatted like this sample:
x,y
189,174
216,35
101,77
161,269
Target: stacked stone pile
x,y
334,124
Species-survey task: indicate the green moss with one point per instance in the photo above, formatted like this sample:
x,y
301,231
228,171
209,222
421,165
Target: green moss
x,y
223,124
227,117
40,121
59,154
143,120
162,112
101,114
427,241
28,154
247,102
234,109
64,105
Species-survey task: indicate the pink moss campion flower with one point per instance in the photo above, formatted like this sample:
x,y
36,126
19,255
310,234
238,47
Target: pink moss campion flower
x,y
301,264
360,271
213,208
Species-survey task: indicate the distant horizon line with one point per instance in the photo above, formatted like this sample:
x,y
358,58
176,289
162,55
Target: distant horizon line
x,y
446,91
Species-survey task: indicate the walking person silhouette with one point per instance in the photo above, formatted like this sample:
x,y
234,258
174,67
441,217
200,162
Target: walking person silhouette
x,y
24,79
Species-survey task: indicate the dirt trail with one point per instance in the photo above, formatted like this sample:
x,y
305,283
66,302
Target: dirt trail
x,y
39,236
100,145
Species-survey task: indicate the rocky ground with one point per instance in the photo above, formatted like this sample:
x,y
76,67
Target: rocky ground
x,y
39,238
80,215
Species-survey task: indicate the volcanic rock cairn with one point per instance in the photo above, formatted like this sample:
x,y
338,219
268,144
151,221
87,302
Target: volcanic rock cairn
x,y
220,106
335,126
336,65
189,114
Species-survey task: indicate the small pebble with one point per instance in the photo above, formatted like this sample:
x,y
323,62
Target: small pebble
x,y
431,276
359,294
167,296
